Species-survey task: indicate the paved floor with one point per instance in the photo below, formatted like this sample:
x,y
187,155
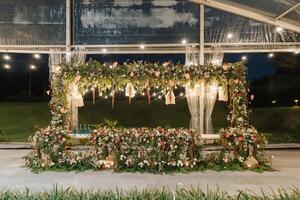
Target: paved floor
x,y
14,176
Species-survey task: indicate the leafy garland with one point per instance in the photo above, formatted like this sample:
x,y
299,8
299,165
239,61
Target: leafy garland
x,y
51,150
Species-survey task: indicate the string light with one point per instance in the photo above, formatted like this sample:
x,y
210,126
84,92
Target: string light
x,y
106,97
6,57
184,41
154,94
6,66
142,46
104,50
271,55
279,29
296,52
37,56
244,57
181,94
32,67
229,35
159,96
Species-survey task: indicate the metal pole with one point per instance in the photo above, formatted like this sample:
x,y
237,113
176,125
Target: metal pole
x,y
68,30
201,99
201,41
29,83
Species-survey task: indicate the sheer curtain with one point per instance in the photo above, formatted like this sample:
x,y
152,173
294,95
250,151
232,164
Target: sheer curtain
x,y
210,100
201,98
74,98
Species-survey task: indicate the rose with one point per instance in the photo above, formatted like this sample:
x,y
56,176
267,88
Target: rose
x,y
157,73
78,77
225,66
131,74
187,76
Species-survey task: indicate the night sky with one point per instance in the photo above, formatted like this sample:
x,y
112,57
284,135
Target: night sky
x,y
15,79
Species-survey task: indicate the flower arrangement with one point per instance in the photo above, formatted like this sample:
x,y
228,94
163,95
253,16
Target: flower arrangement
x,y
145,149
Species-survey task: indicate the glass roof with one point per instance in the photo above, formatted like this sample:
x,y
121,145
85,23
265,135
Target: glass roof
x,y
95,22
270,8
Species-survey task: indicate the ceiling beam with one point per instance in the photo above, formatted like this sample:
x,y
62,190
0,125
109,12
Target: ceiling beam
x,y
287,11
247,13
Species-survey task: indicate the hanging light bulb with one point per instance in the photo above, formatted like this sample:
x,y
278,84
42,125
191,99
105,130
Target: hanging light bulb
x,y
159,96
142,46
184,41
271,55
6,57
37,56
297,52
106,97
229,35
6,66
279,29
244,57
104,50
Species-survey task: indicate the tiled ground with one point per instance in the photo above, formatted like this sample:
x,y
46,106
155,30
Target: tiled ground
x,y
13,175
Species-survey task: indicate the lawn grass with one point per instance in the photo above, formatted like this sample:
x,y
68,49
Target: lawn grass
x,y
150,194
18,120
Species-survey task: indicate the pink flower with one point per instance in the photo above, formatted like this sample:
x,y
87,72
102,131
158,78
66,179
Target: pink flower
x,y
131,74
157,73
225,66
78,77
187,76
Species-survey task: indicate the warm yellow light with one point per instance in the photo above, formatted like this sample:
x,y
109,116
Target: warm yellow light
x,y
229,35
271,55
32,67
184,41
296,52
279,29
244,57
104,50
37,56
142,46
6,57
6,66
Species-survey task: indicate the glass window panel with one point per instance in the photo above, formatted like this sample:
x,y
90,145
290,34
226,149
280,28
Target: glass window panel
x,y
272,7
25,22
135,21
219,24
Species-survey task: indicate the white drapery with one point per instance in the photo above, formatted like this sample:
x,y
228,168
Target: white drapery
x,y
201,97
75,99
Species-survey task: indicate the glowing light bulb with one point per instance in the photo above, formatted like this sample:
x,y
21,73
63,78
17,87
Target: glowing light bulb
x,y
159,96
244,57
142,46
297,52
32,67
271,55
279,29
6,57
6,66
229,35
184,41
106,97
37,56
104,50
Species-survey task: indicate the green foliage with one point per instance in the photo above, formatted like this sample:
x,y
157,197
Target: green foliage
x,y
149,194
3,136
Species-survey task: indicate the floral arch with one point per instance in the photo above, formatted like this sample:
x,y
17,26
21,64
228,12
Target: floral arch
x,y
156,149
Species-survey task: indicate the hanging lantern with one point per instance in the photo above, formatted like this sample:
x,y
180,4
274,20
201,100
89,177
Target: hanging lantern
x,y
170,97
223,93
129,91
